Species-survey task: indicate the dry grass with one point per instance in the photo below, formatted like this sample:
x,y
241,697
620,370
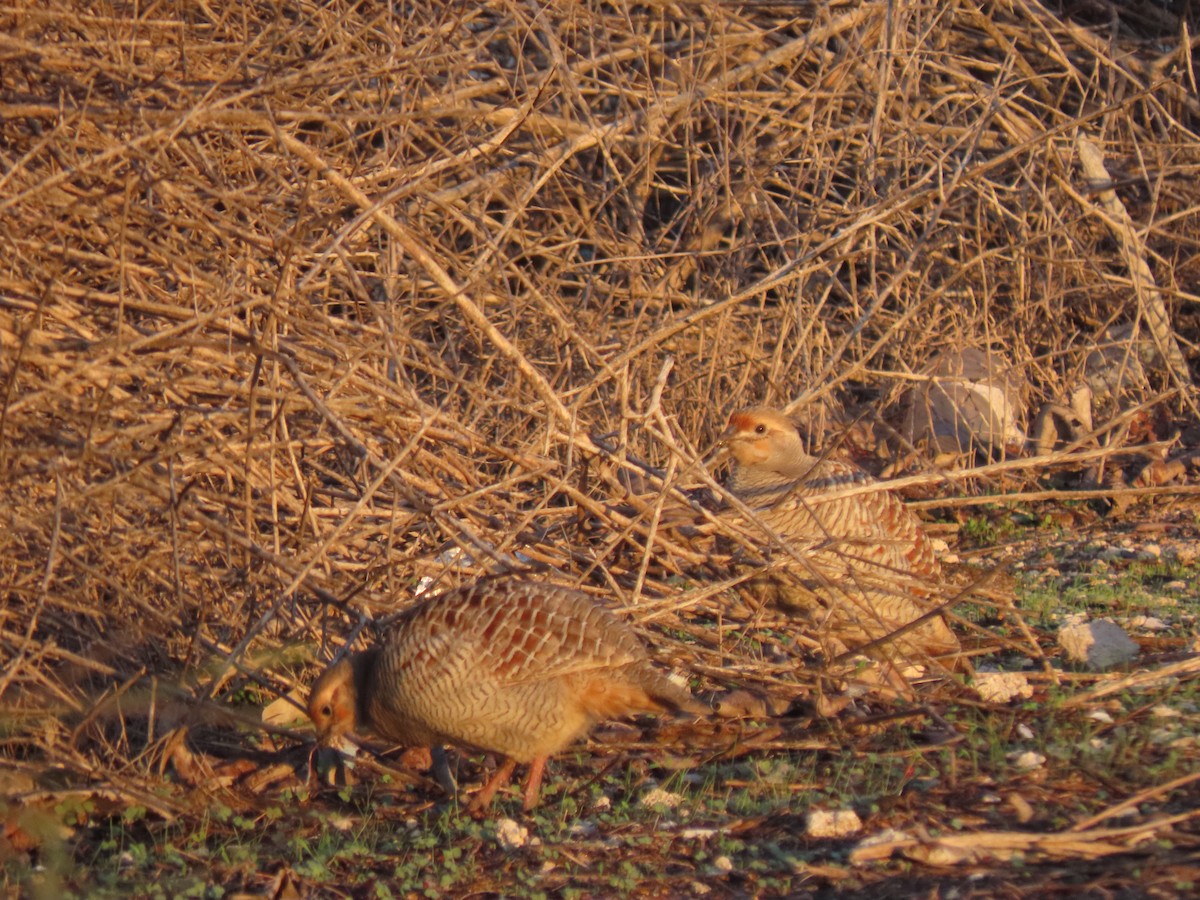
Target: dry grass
x,y
295,298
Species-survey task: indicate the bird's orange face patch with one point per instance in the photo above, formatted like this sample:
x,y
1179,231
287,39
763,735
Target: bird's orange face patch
x,y
748,437
741,422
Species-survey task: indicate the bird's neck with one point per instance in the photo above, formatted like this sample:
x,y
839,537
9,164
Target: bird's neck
x,y
780,470
363,665
799,472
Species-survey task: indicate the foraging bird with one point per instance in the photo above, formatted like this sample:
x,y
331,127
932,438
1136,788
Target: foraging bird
x,y
513,667
868,565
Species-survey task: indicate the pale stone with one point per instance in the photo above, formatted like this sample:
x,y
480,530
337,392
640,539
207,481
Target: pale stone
x,y
832,823
511,835
1027,759
1001,687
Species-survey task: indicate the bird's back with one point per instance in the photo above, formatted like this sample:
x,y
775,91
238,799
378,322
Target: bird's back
x,y
871,528
513,667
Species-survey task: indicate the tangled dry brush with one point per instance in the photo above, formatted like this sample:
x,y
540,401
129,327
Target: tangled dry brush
x,y
303,303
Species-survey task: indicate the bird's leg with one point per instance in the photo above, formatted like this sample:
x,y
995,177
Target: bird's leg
x,y
313,780
483,799
441,770
533,782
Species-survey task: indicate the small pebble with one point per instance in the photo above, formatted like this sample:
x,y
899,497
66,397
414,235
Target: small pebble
x,y
511,835
835,823
1000,687
1027,759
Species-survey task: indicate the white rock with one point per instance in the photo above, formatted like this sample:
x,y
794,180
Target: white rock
x,y
832,823
1100,716
511,835
1162,711
723,864
1100,644
1151,551
1027,759
1025,731
1000,687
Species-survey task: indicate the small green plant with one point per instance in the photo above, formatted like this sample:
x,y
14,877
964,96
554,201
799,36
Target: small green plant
x,y
979,531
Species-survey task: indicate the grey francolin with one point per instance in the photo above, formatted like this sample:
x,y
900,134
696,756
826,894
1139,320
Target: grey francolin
x,y
866,567
507,666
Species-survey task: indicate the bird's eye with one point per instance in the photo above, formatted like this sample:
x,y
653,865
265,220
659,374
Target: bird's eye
x,y
327,710
760,429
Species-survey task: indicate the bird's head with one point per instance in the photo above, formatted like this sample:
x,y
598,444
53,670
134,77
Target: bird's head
x,y
763,438
333,702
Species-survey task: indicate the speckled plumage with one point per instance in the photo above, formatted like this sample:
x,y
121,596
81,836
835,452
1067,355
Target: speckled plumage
x,y
508,666
868,566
